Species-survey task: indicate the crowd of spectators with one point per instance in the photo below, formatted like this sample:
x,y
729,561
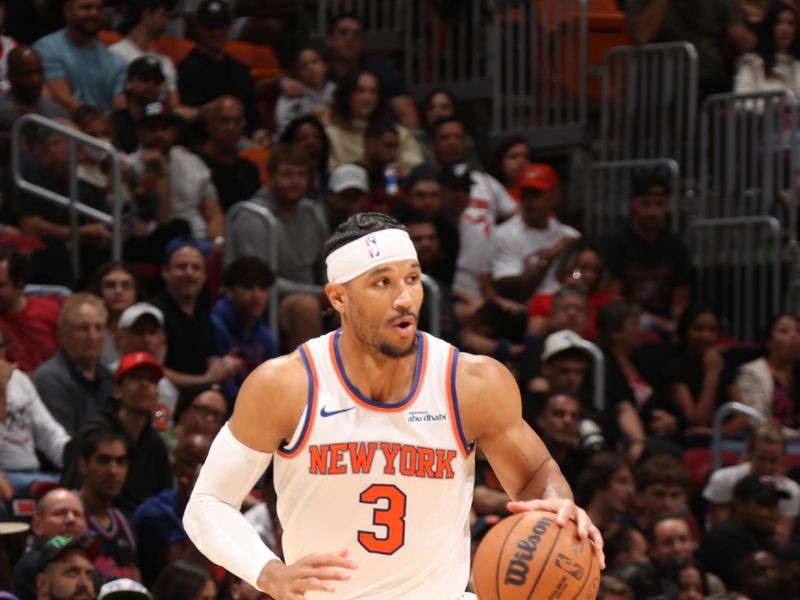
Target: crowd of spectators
x,y
115,376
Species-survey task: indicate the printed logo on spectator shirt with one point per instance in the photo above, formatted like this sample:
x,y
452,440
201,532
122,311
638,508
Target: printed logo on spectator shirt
x,y
372,247
423,416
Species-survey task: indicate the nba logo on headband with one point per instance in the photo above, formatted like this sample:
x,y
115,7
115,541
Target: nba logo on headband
x,y
372,246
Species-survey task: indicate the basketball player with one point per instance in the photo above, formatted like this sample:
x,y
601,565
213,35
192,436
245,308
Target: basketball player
x,y
372,430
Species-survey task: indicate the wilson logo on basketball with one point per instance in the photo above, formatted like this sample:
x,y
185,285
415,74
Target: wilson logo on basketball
x,y
519,566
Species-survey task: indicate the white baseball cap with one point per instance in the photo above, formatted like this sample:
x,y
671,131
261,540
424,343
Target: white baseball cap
x,y
563,340
349,176
123,589
135,311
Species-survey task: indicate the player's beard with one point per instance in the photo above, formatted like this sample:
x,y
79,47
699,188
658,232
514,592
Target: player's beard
x,y
372,338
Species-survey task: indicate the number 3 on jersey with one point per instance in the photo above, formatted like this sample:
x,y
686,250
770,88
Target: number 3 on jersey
x,y
392,517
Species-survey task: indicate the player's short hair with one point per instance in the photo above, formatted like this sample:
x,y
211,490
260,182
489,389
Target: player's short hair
x,y
661,469
358,226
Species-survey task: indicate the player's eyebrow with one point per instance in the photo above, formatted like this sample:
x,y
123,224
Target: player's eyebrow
x,y
386,268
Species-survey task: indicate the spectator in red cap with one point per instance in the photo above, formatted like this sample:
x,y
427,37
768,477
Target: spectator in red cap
x,y
136,393
524,249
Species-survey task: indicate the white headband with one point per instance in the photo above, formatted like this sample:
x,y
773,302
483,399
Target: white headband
x,y
367,252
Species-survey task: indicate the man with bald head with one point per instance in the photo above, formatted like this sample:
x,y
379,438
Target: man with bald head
x,y
59,512
234,177
26,77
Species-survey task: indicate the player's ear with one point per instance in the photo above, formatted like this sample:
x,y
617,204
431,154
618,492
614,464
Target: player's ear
x,y
335,293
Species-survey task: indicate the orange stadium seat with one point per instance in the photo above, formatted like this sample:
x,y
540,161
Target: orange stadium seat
x,y
175,48
108,36
255,56
259,157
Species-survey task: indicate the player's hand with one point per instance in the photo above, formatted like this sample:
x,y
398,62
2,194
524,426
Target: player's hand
x,y
314,572
566,510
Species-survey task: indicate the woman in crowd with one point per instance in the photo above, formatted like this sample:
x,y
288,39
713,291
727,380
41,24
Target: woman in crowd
x,y
358,101
117,285
771,384
507,162
775,65
698,380
311,70
580,265
437,104
309,133
619,335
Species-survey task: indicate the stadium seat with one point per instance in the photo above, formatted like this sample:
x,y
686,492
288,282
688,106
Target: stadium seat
x,y
108,36
259,157
175,48
255,56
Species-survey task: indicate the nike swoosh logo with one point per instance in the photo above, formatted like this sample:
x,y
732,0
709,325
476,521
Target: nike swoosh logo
x,y
325,413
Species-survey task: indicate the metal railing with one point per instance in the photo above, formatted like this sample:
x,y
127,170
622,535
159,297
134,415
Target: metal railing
x,y
649,104
538,65
384,20
737,264
72,202
598,378
720,415
434,304
608,191
748,151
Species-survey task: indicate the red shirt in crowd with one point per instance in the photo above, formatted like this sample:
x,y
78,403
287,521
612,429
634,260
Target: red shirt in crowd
x,y
542,304
32,332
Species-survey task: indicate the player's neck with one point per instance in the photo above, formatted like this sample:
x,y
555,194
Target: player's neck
x,y
377,376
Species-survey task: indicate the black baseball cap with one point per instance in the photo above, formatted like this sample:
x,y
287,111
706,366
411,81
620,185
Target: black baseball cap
x,y
458,176
146,67
213,13
58,546
761,488
650,182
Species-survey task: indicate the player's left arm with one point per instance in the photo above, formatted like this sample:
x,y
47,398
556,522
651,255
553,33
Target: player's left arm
x,y
491,415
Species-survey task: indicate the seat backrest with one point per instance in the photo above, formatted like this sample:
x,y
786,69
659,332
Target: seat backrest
x,y
175,48
108,37
259,157
255,56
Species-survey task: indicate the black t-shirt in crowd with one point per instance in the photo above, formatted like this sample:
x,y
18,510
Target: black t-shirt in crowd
x,y
234,182
649,270
202,79
190,339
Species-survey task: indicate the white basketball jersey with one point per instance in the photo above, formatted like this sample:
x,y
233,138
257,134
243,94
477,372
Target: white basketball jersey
x,y
392,483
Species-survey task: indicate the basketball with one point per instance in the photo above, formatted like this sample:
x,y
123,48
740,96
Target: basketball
x,y
527,555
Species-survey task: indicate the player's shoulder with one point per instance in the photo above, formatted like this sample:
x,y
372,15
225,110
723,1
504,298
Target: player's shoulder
x,y
270,403
476,374
287,373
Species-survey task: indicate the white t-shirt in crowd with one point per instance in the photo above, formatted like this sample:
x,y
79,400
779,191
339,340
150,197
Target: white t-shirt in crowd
x,y
514,246
719,489
489,202
130,52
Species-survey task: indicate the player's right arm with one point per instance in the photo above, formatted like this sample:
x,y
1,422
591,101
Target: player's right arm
x,y
267,411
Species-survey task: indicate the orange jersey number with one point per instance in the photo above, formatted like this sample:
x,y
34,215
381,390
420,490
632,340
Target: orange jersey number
x,y
392,517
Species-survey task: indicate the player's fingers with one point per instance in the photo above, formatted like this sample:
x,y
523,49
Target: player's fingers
x,y
331,560
597,544
312,584
331,573
583,522
566,512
